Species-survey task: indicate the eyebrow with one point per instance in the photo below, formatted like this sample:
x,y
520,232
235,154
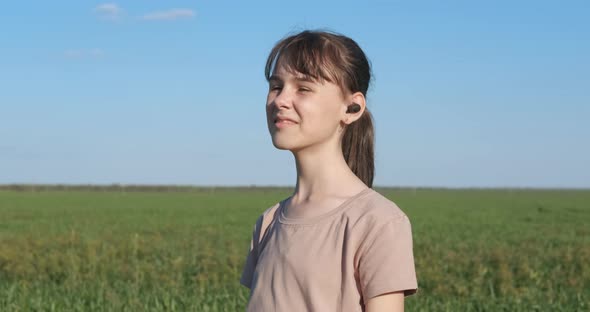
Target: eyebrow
x,y
304,78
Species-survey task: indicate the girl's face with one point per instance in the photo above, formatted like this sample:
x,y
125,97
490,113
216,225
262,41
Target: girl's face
x,y
302,112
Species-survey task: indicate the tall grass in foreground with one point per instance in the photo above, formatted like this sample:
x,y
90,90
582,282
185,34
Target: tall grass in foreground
x,y
475,250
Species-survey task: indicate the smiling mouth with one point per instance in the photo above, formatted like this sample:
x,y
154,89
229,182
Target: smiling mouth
x,y
283,123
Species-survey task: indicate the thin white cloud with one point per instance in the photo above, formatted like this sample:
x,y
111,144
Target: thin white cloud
x,y
83,53
108,10
72,53
95,52
172,14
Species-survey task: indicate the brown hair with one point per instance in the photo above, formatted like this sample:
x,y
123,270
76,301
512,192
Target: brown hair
x,y
333,57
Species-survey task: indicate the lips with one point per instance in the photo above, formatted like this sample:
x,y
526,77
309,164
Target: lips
x,y
280,118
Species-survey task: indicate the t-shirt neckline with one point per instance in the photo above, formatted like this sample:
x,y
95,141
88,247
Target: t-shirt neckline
x,y
315,219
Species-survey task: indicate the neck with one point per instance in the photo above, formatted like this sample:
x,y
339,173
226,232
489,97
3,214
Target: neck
x,y
322,171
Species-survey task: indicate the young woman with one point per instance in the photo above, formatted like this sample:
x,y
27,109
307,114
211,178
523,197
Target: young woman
x,y
335,244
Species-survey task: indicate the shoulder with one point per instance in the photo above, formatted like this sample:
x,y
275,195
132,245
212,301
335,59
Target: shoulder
x,y
265,218
269,213
377,226
373,210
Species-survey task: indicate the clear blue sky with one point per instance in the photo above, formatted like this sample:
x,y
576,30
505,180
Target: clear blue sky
x,y
466,93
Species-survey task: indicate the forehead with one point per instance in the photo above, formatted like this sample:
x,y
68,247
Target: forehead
x,y
283,73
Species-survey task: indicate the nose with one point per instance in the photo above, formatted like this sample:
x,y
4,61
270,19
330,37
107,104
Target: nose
x,y
282,99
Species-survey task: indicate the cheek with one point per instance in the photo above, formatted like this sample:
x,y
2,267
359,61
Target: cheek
x,y
268,102
269,98
319,122
269,108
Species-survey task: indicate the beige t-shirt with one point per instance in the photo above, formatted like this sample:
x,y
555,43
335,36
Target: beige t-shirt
x,y
335,261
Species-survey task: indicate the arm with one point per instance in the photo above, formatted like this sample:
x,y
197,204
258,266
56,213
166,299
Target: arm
x,y
252,256
388,302
386,266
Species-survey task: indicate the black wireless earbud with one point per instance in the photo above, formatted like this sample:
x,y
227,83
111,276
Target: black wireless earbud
x,y
353,108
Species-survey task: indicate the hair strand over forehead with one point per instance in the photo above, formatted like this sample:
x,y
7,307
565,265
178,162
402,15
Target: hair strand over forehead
x,y
322,56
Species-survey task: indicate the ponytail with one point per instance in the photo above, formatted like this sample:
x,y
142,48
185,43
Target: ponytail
x,y
358,144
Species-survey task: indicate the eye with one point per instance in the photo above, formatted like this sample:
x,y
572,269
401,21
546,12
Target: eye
x,y
275,88
302,89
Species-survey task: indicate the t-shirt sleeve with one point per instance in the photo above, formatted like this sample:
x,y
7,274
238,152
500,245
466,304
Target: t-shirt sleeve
x,y
386,260
252,255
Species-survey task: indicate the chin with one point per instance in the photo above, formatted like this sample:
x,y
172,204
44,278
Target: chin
x,y
284,143
281,145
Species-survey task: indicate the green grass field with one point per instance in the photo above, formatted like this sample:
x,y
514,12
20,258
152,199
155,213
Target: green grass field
x,y
109,250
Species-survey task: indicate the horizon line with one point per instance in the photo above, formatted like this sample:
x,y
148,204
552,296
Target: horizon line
x,y
260,186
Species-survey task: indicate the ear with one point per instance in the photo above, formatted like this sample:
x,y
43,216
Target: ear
x,y
355,98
